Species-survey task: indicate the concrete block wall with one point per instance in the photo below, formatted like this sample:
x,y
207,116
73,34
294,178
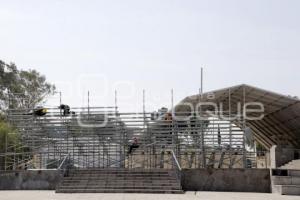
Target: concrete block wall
x,y
29,180
234,180
227,180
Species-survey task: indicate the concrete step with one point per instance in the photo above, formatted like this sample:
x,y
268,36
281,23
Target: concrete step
x,y
127,174
76,178
120,175
286,180
295,164
72,179
286,189
120,171
140,180
294,173
120,187
112,180
291,167
160,191
117,183
120,179
117,172
124,173
120,182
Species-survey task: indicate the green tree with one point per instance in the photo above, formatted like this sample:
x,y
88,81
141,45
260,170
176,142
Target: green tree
x,y
21,88
18,89
10,143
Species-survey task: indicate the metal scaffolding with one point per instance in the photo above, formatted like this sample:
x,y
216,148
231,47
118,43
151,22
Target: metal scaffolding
x,y
99,137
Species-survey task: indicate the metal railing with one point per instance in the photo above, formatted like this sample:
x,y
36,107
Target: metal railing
x,y
143,157
65,165
177,166
91,146
65,162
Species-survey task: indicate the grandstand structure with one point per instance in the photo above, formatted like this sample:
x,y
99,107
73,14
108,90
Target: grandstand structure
x,y
90,146
99,137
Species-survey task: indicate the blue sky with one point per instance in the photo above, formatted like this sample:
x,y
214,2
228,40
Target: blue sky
x,y
153,45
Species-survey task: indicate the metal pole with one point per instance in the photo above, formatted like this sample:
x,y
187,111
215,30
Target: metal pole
x,y
172,99
6,135
88,104
118,131
144,101
60,103
5,158
201,81
174,129
230,128
116,101
244,127
201,123
144,109
59,98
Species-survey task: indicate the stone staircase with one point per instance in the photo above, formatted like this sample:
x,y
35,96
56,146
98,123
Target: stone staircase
x,y
120,181
286,182
294,164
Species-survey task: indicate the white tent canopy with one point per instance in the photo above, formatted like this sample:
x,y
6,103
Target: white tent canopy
x,y
281,122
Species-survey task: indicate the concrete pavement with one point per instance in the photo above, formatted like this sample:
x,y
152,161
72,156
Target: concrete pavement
x,y
51,195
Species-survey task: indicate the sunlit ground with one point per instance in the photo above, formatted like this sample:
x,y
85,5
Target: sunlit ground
x,y
47,195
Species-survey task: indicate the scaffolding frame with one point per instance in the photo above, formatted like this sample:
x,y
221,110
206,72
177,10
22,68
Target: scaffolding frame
x,y
99,137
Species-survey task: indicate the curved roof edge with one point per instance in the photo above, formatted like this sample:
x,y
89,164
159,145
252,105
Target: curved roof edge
x,y
281,122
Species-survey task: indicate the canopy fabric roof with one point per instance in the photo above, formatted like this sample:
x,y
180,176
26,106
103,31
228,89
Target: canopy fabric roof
x,y
281,122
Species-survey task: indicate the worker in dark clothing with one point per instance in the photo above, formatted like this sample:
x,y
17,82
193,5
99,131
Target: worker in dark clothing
x,y
168,125
39,112
168,117
66,110
134,145
219,136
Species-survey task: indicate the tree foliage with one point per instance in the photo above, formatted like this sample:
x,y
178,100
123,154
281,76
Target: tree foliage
x,y
22,88
10,141
8,136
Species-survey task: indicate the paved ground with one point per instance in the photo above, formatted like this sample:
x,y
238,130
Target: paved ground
x,y
50,195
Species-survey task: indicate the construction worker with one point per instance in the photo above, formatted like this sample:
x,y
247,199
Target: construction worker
x,y
168,126
39,112
134,145
168,117
66,109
